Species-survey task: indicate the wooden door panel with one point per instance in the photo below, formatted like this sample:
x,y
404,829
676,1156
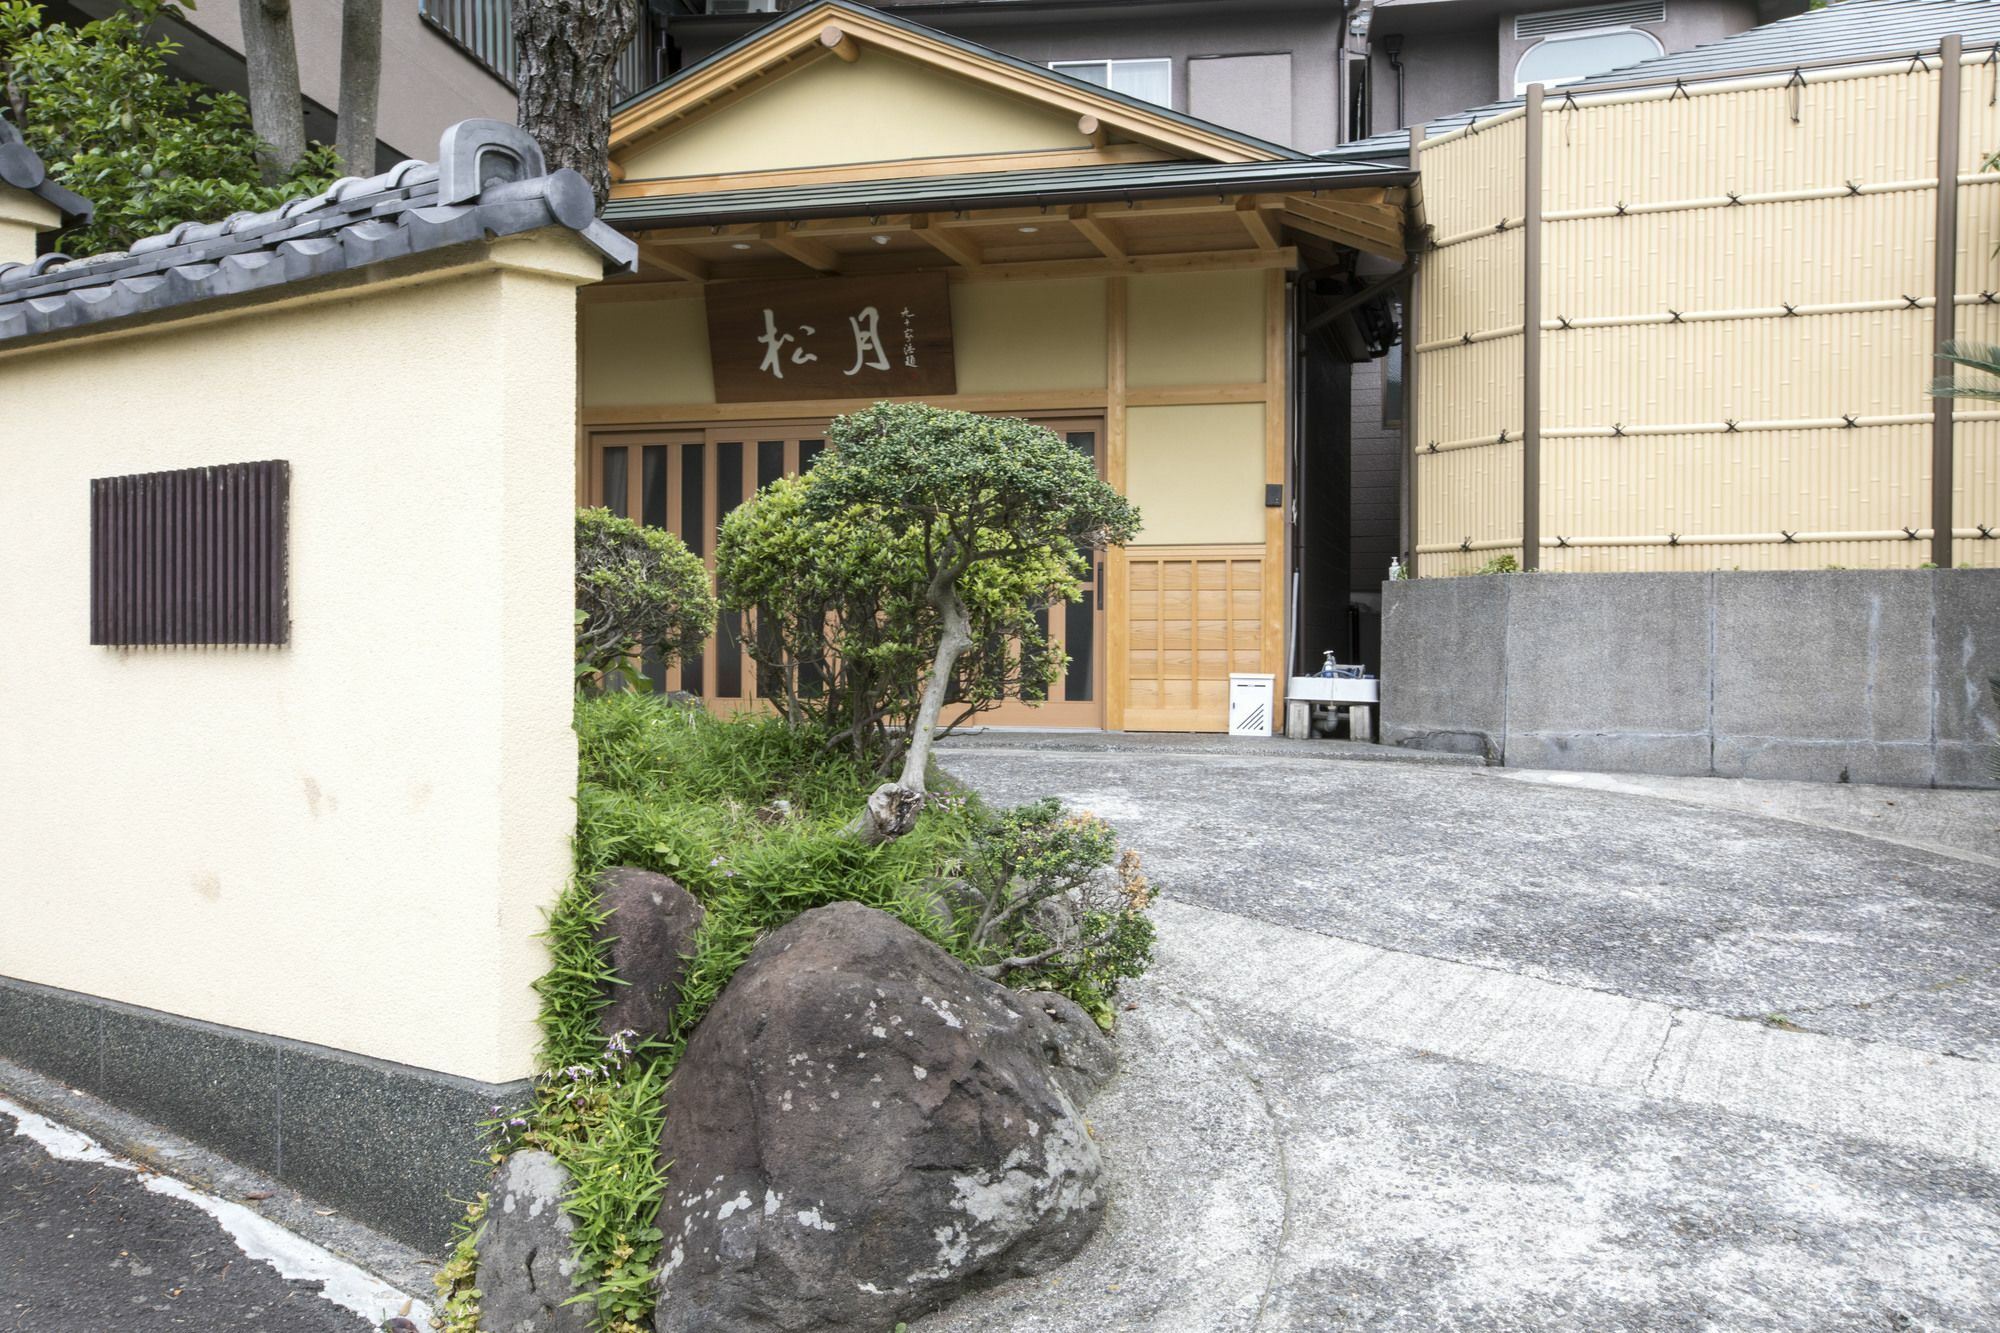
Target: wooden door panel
x,y
1195,616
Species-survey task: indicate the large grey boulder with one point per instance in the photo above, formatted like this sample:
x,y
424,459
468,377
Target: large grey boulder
x,y
648,934
861,1128
526,1261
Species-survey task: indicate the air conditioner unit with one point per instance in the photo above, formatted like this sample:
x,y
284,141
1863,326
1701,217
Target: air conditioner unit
x,y
742,6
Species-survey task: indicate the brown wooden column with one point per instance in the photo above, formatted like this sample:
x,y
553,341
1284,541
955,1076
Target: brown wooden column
x,y
1117,589
1531,336
1412,290
1945,316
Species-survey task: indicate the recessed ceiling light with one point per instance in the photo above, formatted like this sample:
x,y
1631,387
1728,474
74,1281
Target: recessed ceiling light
x,y
881,240
1030,230
740,245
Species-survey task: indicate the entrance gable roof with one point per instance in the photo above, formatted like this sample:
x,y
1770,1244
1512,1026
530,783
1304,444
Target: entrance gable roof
x,y
846,31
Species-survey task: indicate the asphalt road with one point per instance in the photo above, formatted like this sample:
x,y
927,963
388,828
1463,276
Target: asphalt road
x,y
88,1249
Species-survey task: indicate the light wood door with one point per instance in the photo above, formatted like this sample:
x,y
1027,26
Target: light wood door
x,y
1194,614
1073,628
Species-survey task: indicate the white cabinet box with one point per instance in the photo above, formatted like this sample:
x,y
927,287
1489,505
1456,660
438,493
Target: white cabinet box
x,y
1252,704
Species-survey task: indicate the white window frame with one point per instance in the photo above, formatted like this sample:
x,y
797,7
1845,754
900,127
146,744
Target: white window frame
x,y
1613,30
1064,67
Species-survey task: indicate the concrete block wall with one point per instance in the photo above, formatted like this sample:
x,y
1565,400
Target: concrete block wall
x,y
1833,676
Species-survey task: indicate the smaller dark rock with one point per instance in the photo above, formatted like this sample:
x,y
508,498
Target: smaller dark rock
x,y
649,931
1081,1058
525,1256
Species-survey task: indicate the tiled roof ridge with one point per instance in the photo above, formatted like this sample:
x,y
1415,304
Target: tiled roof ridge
x,y
490,180
23,169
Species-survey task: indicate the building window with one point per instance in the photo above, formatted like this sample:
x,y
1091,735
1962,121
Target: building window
x,y
1150,80
1555,61
1392,389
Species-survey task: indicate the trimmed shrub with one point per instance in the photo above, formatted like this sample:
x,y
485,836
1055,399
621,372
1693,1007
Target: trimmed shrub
x,y
638,590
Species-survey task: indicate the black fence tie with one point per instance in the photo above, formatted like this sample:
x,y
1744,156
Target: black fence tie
x,y
1472,126
1562,541
1790,538
1911,533
1617,430
1986,298
1501,225
1793,91
1790,309
1993,75
1987,534
1569,104
1851,420
1676,317
1673,539
1465,339
1466,545
1680,90
1728,427
1734,198
1917,65
1503,437
1621,208
1910,302
1562,321
1433,447
1853,189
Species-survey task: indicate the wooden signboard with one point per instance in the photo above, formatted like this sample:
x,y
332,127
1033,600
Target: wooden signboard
x,y
886,337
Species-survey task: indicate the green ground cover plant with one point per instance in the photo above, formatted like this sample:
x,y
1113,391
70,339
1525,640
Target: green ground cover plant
x,y
751,815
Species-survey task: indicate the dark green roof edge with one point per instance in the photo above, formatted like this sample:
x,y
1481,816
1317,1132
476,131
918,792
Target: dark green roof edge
x,y
995,189
970,48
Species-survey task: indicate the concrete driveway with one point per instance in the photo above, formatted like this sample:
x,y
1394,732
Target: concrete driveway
x,y
1437,1048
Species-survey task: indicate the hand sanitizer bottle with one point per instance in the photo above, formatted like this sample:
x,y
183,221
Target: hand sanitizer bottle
x,y
1395,568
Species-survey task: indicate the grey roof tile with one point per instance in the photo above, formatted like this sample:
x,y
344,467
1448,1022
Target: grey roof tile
x,y
491,181
22,169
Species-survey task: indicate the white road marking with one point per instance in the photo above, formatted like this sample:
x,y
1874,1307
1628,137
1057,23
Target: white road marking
x,y
293,1256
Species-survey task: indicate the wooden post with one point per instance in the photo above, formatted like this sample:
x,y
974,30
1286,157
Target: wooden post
x,y
1277,439
1945,316
1411,292
1116,591
1531,337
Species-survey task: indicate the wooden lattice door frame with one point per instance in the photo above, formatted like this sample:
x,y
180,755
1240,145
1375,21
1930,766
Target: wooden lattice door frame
x,y
675,476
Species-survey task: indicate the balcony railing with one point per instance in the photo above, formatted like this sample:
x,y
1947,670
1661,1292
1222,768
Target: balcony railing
x,y
484,30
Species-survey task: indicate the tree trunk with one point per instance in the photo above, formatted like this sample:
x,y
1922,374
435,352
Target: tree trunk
x,y
276,111
565,51
360,84
955,639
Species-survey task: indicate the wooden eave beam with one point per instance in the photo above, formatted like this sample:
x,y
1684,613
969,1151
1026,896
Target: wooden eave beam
x,y
843,47
672,259
1251,210
814,254
1373,241
1096,233
960,250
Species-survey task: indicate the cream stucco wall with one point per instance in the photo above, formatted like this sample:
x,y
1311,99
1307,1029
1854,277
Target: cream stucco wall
x,y
1197,328
1197,473
1028,337
23,217
639,352
879,109
1196,470
349,840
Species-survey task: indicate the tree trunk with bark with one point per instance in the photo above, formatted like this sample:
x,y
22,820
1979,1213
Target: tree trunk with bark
x,y
360,84
892,811
565,51
277,112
